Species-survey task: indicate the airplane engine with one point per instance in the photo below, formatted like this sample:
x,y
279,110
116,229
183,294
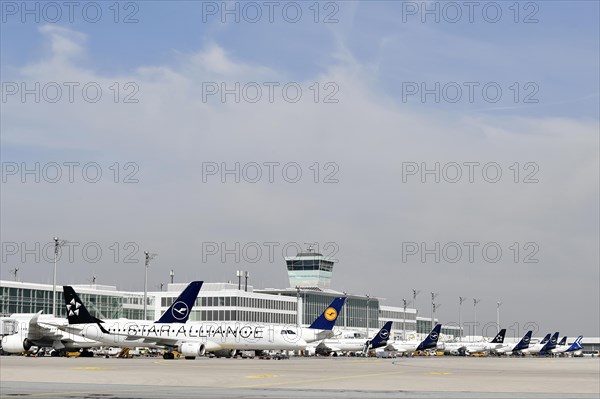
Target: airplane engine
x,y
14,344
191,349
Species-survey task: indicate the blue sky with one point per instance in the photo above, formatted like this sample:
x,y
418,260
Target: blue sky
x,y
370,133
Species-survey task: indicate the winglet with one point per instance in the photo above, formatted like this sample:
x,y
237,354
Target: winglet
x,y
499,338
327,319
180,310
431,340
382,336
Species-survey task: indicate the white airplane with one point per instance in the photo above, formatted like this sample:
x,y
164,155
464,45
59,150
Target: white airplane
x,y
45,330
194,338
545,343
508,349
430,342
38,330
466,348
562,347
355,344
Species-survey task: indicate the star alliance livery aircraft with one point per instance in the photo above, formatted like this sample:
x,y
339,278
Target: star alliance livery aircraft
x,y
194,338
49,332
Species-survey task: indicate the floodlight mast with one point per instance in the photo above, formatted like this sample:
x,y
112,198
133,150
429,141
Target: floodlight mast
x,y
475,302
57,245
148,257
461,299
433,296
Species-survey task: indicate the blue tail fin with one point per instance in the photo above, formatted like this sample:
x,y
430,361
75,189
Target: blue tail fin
x,y
382,336
546,338
327,319
499,338
524,342
180,310
431,340
563,341
551,344
575,346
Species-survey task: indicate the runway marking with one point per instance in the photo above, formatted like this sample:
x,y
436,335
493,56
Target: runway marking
x,y
319,380
439,373
262,376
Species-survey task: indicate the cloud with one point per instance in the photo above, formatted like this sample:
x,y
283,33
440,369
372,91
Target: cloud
x,y
369,134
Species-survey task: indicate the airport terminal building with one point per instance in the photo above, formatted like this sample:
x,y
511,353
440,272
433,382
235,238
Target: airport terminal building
x,y
306,297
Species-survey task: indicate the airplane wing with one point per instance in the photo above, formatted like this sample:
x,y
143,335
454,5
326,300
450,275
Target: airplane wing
x,y
396,347
39,330
323,346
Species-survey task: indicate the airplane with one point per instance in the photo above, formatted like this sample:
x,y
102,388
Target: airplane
x,y
536,348
45,330
195,338
548,346
562,347
466,348
430,342
508,349
359,344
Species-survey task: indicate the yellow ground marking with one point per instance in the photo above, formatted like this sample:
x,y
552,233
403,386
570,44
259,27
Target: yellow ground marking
x,y
313,380
262,376
439,373
92,368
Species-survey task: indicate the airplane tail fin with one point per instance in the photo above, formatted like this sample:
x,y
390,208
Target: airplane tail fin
x,y
524,342
551,344
431,340
327,319
499,338
382,336
180,310
563,341
575,346
77,313
546,338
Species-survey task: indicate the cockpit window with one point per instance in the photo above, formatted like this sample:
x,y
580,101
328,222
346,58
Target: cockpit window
x,y
290,332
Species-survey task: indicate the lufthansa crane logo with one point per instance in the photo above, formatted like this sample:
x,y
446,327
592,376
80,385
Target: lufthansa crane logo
x,y
433,335
180,310
331,314
384,334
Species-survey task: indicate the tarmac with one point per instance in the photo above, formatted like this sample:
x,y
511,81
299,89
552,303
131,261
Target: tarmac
x,y
419,377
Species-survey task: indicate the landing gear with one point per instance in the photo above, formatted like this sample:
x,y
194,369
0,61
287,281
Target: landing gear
x,y
168,356
190,357
58,353
86,353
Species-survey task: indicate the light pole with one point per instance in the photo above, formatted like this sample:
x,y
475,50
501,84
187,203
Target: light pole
x,y
415,293
498,304
433,296
14,272
475,302
461,299
368,299
172,275
149,257
405,302
57,245
239,275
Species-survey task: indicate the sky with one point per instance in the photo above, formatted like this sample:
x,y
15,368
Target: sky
x,y
434,146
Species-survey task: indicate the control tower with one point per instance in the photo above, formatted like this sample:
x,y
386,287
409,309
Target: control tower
x,y
309,269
